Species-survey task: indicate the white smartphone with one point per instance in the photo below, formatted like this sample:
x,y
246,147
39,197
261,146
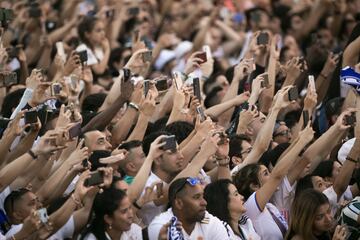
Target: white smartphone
x,y
312,82
177,80
60,50
43,215
206,48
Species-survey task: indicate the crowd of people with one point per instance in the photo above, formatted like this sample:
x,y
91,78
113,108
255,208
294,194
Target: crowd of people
x,y
180,119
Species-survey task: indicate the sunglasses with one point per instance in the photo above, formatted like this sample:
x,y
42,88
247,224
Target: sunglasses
x,y
190,180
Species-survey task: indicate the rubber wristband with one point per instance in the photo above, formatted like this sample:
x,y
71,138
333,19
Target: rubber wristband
x,y
136,205
351,159
32,154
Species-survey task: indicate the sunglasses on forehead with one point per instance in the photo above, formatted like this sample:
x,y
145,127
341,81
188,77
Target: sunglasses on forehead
x,y
190,180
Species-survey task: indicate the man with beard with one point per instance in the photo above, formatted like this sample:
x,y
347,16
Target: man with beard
x,y
188,206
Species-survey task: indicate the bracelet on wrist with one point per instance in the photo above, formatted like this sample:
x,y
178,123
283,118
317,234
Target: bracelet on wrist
x,y
32,154
323,75
351,160
133,106
136,205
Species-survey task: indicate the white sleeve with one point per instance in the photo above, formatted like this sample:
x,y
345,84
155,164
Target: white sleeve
x,y
154,230
217,230
66,231
252,207
25,98
2,237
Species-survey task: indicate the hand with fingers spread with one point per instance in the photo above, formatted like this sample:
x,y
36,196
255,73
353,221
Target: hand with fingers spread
x,y
246,117
72,63
107,176
192,63
294,68
80,189
340,232
203,128
45,146
40,94
341,122
147,105
281,99
244,68
330,64
155,147
135,63
64,118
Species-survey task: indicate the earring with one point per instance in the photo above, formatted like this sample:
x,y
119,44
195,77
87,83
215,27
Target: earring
x,y
110,227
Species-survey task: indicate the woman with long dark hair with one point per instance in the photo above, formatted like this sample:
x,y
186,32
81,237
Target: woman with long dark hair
x,y
112,218
225,202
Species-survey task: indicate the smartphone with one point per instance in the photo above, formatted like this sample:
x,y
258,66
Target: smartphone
x,y
293,94
55,89
85,163
245,106
350,120
60,50
83,56
127,74
178,80
170,143
196,87
95,179
8,79
265,82
31,117
201,113
43,215
312,82
202,56
161,85
305,118
147,56
146,87
4,122
159,189
263,38
75,131
133,11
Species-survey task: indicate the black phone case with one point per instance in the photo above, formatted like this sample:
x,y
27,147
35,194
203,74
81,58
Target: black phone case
x,y
95,179
75,131
293,94
31,117
196,87
170,143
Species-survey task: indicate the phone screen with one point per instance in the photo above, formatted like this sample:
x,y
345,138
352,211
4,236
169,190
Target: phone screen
x,y
196,87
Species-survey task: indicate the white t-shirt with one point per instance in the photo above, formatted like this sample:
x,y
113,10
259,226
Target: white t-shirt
x,y
334,200
246,227
66,231
264,224
210,228
2,237
94,57
150,210
3,195
135,233
284,197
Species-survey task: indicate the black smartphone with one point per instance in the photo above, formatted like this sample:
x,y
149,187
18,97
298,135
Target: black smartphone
x,y
95,179
202,56
305,118
133,11
196,87
147,56
201,113
170,143
10,79
85,163
293,94
4,122
75,131
56,89
265,82
161,84
127,74
146,87
31,117
350,120
263,38
83,56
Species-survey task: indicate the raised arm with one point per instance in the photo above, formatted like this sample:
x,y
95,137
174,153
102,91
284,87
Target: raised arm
x,y
265,192
351,53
